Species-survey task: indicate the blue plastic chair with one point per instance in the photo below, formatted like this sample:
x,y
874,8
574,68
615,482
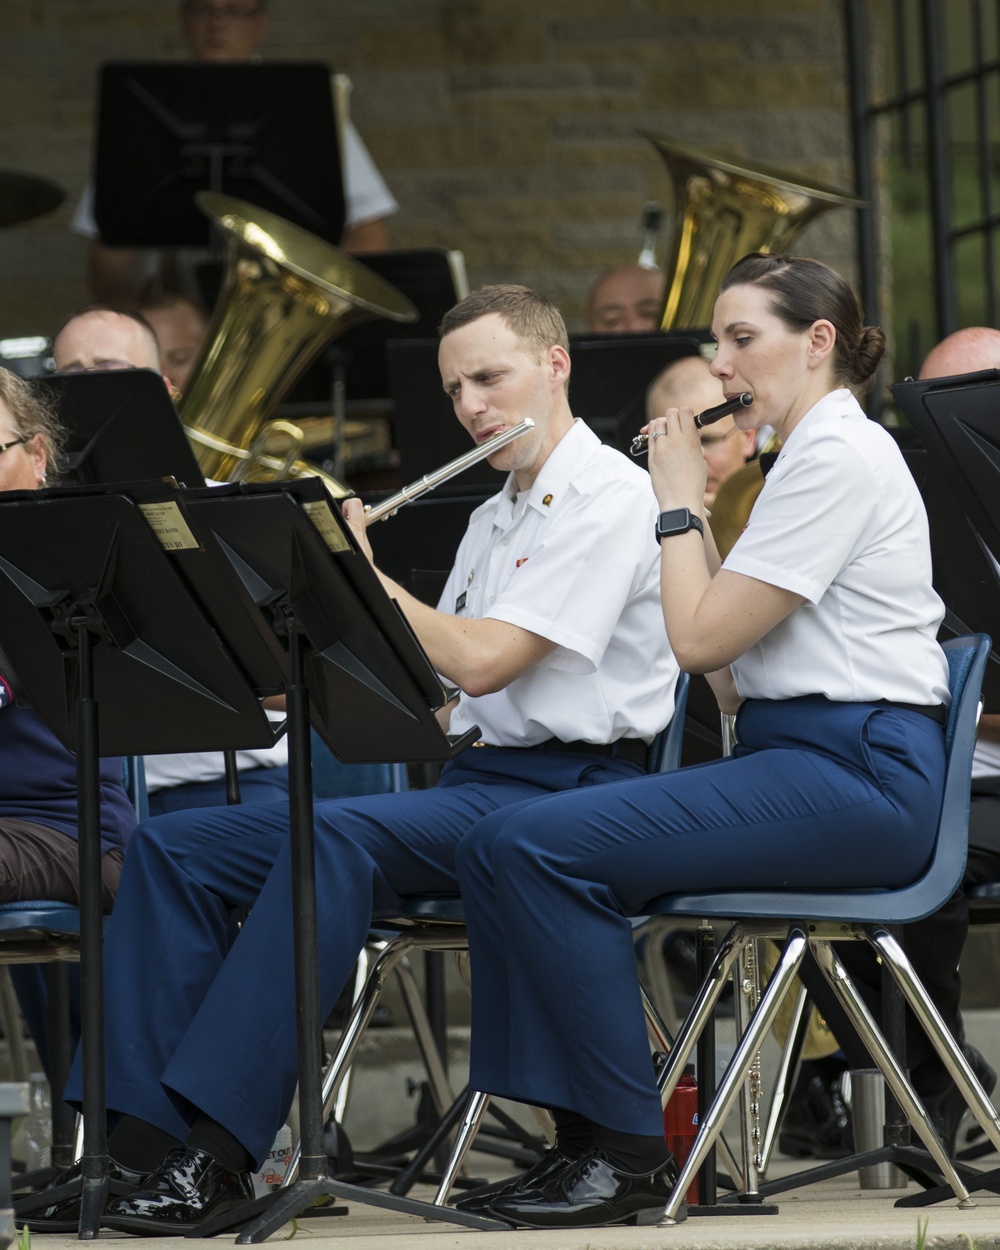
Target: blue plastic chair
x,y
816,919
437,923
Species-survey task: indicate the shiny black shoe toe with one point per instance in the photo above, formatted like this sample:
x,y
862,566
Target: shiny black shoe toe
x,y
588,1192
187,1188
56,1208
553,1160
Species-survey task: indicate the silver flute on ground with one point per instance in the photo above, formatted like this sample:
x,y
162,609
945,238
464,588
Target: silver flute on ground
x,y
640,442
381,511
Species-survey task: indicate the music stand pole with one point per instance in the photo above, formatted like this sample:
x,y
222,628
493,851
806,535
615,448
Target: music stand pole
x,y
305,934
94,1161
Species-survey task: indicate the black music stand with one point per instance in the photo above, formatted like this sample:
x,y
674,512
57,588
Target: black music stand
x,y
121,426
96,623
612,372
261,133
283,550
958,421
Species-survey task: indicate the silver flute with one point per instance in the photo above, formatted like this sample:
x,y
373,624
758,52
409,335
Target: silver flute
x,y
701,419
388,507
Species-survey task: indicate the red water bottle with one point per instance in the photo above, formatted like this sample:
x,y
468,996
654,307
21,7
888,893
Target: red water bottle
x,y
680,1123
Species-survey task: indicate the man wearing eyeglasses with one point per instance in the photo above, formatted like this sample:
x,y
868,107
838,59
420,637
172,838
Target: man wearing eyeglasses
x,y
230,32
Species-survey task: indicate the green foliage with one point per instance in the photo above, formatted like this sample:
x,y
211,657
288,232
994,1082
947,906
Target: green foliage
x,y
914,322
24,1238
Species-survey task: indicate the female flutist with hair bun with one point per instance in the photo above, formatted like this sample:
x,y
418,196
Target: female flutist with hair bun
x,y
819,630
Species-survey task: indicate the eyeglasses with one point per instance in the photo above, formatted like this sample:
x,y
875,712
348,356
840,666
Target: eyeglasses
x,y
102,366
14,442
228,12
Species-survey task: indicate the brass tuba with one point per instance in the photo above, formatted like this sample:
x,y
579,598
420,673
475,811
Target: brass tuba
x,y
722,212
285,295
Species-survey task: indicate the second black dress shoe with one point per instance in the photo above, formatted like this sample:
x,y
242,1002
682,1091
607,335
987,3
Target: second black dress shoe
x,y
187,1188
56,1208
553,1160
589,1192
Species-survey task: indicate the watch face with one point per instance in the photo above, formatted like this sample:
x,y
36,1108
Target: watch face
x,y
676,521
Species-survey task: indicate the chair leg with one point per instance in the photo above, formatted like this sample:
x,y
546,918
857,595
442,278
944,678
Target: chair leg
x,y
739,1065
701,1009
938,1033
60,1060
788,1067
887,1062
339,1066
361,969
656,1029
10,1013
660,989
440,1087
472,1118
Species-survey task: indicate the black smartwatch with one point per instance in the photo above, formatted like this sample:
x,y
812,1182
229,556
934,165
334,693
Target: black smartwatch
x,y
676,521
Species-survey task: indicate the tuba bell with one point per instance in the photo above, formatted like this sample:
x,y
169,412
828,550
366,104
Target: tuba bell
x,y
722,212
285,295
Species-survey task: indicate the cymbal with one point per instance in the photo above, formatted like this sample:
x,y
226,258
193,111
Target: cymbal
x,y
26,196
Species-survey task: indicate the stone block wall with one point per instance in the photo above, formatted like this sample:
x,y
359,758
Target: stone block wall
x,y
506,128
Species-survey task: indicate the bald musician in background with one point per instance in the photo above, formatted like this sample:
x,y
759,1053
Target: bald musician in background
x,y
626,299
222,32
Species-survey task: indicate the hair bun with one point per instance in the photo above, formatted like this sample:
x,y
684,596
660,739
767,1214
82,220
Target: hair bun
x,y
867,354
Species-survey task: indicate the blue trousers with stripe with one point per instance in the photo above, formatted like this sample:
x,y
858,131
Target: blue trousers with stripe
x,y
197,1023
818,795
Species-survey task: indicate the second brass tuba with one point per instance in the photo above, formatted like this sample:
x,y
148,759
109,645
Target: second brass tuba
x,y
722,212
285,295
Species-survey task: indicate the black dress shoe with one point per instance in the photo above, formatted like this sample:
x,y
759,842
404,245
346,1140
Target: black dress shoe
x,y
553,1160
589,1192
187,1188
817,1122
946,1106
61,1214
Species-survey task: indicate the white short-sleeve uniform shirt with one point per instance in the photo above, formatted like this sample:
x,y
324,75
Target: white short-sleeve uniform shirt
x,y
574,560
840,521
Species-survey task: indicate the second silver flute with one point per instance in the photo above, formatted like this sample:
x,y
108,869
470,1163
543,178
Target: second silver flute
x,y
381,511
701,419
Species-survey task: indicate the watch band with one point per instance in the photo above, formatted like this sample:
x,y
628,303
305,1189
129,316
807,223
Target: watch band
x,y
676,521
